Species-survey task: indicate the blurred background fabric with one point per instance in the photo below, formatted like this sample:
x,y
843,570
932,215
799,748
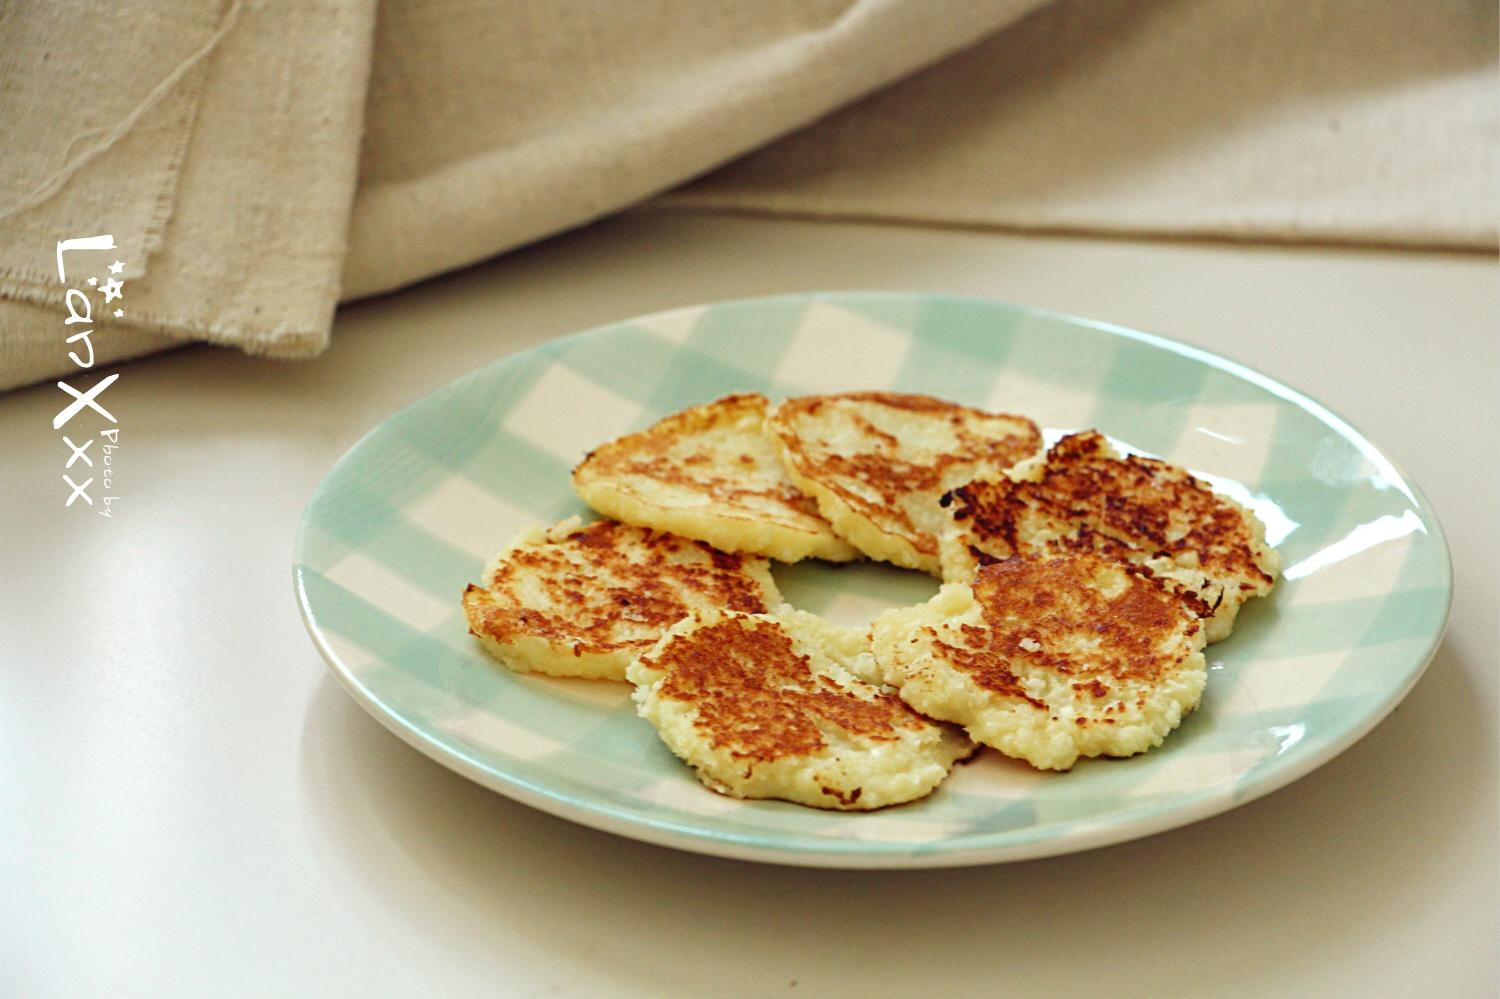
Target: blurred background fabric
x,y
259,162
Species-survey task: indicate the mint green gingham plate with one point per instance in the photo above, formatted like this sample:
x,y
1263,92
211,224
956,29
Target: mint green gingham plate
x,y
413,511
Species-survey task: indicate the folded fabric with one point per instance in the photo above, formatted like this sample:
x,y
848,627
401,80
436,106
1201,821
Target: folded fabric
x,y
1281,120
256,163
228,199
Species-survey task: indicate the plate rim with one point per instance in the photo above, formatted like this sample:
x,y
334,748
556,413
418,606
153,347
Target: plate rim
x,y
977,849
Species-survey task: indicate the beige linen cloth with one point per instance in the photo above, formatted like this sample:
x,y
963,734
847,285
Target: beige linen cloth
x,y
258,162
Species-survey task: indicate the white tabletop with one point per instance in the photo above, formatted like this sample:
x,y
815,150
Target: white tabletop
x,y
192,806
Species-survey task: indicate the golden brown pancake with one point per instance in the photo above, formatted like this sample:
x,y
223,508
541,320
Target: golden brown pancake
x,y
709,473
585,600
1050,657
878,462
769,706
1086,497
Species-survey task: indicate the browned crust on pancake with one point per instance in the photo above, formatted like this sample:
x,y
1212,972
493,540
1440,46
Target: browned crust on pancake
x,y
584,614
1132,508
758,698
1035,607
646,454
885,471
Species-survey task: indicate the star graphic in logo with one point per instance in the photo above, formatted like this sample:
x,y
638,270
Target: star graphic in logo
x,y
119,313
111,289
117,267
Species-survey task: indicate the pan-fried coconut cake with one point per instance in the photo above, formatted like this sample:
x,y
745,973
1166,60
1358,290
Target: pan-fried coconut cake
x,y
771,706
878,462
1049,658
584,600
1086,496
709,473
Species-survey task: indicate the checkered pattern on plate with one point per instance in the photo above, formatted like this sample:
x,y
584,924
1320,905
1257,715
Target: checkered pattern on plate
x,y
415,509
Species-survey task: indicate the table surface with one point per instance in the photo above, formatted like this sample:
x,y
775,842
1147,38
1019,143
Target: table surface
x,y
191,805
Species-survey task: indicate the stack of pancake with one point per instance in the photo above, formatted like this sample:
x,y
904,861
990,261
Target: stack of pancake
x,y
1080,586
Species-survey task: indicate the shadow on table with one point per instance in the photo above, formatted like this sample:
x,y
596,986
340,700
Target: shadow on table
x,y
1300,881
